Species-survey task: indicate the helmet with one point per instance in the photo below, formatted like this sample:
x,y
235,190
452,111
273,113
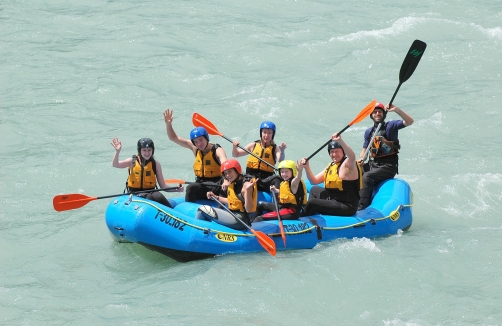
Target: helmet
x,y
146,143
197,132
333,144
268,125
288,164
231,164
380,106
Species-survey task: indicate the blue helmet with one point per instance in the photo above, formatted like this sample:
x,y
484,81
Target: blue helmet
x,y
197,132
268,125
145,143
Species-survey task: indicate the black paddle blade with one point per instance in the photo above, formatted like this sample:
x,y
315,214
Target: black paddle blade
x,y
411,61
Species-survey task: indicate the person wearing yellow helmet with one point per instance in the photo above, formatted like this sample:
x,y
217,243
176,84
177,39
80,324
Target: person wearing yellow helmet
x,y
292,194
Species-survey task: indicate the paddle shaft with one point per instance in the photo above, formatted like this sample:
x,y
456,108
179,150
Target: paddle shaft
x,y
250,153
228,210
326,143
371,141
281,227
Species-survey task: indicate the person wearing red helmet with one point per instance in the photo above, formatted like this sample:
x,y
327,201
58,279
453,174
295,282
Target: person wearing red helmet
x,y
242,192
268,151
383,162
207,163
144,171
342,182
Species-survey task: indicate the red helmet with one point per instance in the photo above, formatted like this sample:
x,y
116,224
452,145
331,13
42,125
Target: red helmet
x,y
231,164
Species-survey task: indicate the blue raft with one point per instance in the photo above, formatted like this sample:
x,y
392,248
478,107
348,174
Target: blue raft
x,y
184,234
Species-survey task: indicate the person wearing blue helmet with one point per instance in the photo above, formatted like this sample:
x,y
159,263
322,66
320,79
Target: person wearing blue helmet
x,y
383,158
144,171
342,180
207,164
266,149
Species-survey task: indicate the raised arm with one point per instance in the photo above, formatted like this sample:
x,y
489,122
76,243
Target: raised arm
x,y
237,152
115,162
168,118
296,180
279,152
407,120
313,179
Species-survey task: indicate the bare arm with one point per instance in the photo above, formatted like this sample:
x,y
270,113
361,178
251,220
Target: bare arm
x,y
247,192
313,179
279,152
237,152
407,120
222,156
168,119
115,162
296,180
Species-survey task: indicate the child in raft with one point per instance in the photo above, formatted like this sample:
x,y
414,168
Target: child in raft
x,y
292,194
242,193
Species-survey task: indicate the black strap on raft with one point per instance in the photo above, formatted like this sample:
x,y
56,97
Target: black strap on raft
x,y
317,228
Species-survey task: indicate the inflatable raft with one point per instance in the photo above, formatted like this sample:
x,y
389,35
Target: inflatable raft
x,y
191,231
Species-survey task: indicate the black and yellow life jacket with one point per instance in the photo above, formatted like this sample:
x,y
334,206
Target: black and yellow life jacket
x,y
235,199
142,177
287,198
333,182
207,165
267,154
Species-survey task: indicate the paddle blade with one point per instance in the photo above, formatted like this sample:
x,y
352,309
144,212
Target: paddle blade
x,y
364,113
411,61
265,241
70,201
199,121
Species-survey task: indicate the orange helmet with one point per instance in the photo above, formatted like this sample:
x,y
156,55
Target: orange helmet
x,y
231,164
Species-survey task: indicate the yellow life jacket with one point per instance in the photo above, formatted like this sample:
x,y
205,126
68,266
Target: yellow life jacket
x,y
333,181
267,154
286,196
142,178
235,199
207,165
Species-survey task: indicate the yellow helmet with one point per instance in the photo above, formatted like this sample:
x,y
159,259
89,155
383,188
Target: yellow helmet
x,y
288,164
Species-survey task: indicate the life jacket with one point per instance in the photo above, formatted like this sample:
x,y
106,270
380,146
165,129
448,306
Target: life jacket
x,y
267,154
382,147
235,199
333,182
142,177
207,165
287,198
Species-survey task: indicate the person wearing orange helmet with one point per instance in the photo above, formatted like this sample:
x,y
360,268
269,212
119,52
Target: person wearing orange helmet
x,y
242,192
144,171
268,151
384,150
207,162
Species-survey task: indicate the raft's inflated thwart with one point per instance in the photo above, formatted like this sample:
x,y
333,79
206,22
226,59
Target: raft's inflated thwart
x,y
189,231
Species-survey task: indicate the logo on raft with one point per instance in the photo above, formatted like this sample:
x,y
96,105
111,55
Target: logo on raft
x,y
394,216
226,237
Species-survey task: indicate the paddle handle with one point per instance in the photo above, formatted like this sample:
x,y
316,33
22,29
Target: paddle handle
x,y
250,153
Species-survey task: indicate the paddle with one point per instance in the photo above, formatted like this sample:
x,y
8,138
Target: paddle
x,y
360,117
265,241
73,201
407,68
409,64
199,121
179,181
279,218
